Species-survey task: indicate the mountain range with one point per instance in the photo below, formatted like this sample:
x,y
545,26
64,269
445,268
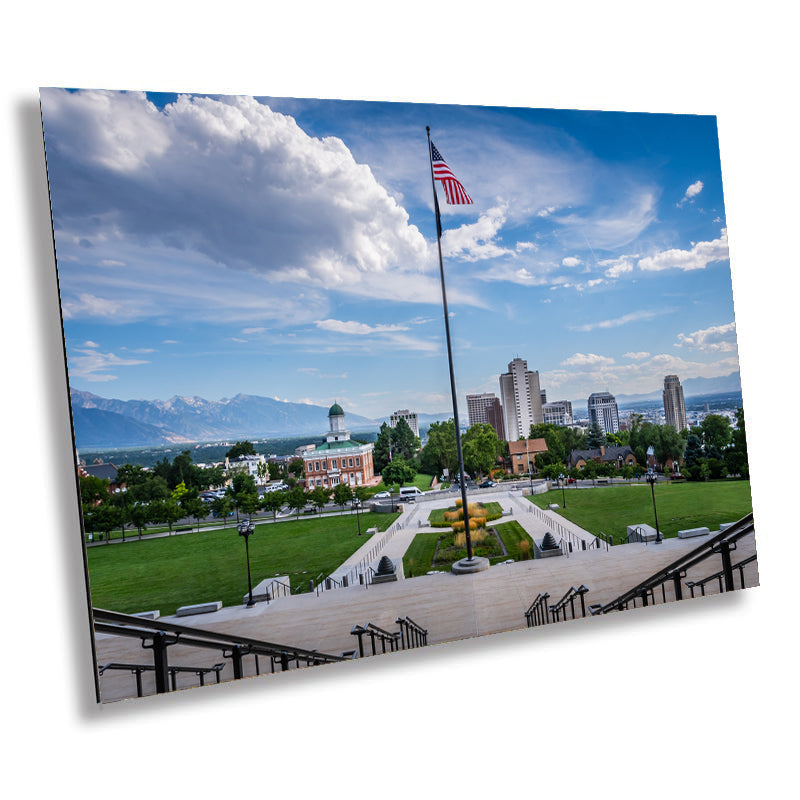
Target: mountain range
x,y
105,422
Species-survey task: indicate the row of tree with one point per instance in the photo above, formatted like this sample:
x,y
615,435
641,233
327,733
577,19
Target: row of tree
x,y
152,498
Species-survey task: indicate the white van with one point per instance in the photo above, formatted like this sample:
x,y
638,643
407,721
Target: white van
x,y
409,493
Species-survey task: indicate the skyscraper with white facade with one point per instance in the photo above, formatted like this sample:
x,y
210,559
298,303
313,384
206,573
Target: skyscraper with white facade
x,y
409,416
521,397
603,410
558,413
674,408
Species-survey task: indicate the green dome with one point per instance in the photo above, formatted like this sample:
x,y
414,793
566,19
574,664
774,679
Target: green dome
x,y
336,411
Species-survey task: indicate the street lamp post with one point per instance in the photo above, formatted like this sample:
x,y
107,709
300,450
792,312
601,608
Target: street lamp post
x,y
246,528
563,496
651,479
357,505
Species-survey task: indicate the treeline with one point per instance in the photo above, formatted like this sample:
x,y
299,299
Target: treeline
x,y
171,491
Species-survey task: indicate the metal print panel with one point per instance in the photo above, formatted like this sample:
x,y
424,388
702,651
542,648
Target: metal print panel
x,y
352,378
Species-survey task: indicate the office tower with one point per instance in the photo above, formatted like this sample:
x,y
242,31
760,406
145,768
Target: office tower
x,y
494,416
674,408
558,413
521,398
603,410
409,416
477,404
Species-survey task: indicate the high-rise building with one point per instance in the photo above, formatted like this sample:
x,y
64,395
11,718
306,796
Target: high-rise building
x,y
674,408
494,416
477,405
409,416
522,399
603,410
485,409
558,413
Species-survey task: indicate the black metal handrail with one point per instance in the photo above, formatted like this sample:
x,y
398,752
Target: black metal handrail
x,y
411,634
158,636
719,576
138,669
538,612
374,632
569,598
722,543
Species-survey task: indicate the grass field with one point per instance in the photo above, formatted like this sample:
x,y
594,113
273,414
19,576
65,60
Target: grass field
x,y
419,557
679,506
169,572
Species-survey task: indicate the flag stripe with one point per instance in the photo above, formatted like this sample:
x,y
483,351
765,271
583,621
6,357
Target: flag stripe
x,y
454,192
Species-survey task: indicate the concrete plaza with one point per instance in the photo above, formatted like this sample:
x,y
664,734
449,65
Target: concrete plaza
x,y
450,607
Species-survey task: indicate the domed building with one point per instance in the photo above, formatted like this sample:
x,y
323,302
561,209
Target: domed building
x,y
338,460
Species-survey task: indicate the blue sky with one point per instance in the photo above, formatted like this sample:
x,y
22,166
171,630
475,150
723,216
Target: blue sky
x,y
286,248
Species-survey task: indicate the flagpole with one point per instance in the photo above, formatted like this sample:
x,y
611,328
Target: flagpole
x,y
463,480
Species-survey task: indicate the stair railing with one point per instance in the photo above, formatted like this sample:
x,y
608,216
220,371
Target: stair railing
x,y
159,636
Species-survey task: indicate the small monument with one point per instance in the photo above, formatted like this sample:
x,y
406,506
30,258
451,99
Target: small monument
x,y
388,571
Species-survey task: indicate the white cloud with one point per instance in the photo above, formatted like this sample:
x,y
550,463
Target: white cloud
x,y
264,197
616,322
616,267
636,356
92,365
587,360
476,241
571,261
699,257
691,192
356,328
717,339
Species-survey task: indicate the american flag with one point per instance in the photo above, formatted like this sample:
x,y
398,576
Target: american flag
x,y
454,192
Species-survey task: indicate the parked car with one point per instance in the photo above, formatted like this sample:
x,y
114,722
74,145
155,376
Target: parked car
x,y
382,496
487,484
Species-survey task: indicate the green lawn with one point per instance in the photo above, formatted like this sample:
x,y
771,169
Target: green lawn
x,y
421,481
169,572
419,557
610,509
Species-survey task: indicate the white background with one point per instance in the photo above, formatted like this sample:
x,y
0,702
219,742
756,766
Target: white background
x,y
695,699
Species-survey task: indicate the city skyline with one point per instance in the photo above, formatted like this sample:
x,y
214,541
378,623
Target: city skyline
x,y
210,246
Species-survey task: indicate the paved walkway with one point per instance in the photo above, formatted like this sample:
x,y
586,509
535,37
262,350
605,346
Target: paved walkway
x,y
450,606
414,519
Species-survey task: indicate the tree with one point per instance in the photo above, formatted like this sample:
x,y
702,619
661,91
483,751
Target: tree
x,y
694,465
243,448
590,470
222,507
595,436
440,452
398,471
296,499
382,451
669,444
342,494
736,455
242,491
274,502
319,496
262,471
480,448
296,466
193,506
716,431
140,516
93,490
106,517
403,441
